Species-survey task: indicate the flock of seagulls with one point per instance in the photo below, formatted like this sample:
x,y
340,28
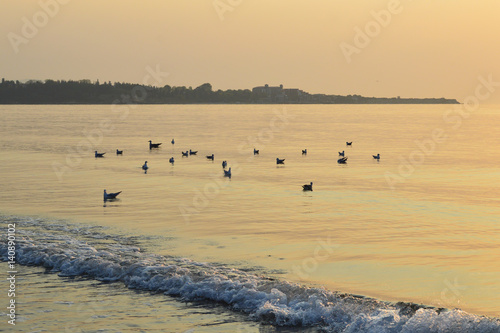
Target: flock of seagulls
x,y
227,173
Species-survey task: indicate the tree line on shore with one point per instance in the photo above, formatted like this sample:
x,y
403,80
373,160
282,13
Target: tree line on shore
x,y
88,92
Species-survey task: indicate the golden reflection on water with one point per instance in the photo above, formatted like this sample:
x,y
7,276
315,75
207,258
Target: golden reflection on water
x,y
435,229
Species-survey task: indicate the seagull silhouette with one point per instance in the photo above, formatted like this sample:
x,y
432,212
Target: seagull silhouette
x,y
307,187
110,196
154,145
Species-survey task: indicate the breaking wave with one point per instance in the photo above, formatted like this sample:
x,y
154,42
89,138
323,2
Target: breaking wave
x,y
76,250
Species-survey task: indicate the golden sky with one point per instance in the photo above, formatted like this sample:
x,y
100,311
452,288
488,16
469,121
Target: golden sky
x,y
419,48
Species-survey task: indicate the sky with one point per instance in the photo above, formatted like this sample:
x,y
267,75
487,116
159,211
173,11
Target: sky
x,y
419,48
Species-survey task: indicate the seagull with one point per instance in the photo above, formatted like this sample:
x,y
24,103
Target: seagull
x,y
255,151
110,196
304,151
341,153
154,145
278,161
307,187
185,153
173,141
192,152
210,157
342,160
171,160
145,166
348,143
227,173
224,164
377,157
119,152
99,154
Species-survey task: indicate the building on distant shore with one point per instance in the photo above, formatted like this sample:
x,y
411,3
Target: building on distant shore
x,y
268,94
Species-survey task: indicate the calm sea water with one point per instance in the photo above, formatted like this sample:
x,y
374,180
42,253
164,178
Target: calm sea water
x,y
187,249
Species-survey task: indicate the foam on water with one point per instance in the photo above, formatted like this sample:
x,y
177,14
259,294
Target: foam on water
x,y
76,250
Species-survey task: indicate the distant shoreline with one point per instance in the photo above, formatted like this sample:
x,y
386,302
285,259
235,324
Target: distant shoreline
x,y
85,92
381,103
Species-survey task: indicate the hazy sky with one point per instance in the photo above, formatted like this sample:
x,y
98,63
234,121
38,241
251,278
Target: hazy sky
x,y
419,48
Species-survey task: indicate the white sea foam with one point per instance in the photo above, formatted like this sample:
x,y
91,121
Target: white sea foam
x,y
73,250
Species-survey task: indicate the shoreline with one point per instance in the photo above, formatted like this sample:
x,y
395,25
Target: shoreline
x,y
138,244
416,103
265,299
87,92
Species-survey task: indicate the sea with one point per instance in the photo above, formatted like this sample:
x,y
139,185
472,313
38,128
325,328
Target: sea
x,y
409,242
